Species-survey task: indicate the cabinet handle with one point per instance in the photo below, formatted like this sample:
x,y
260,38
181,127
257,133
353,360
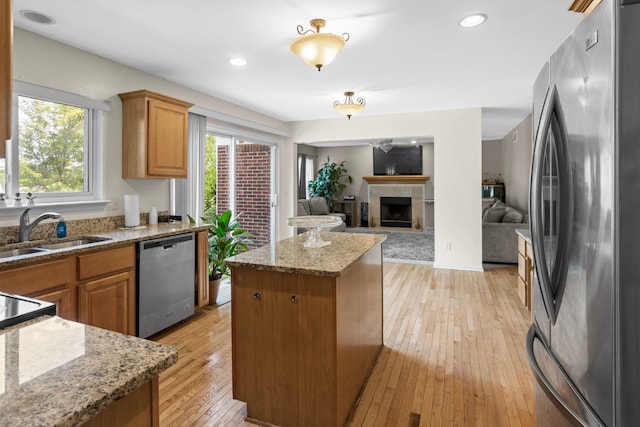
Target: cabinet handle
x,y
294,298
257,296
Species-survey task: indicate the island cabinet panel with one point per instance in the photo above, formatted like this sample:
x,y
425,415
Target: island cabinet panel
x,y
305,344
140,408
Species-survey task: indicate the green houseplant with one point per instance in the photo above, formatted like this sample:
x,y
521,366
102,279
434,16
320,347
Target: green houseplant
x,y
329,181
226,239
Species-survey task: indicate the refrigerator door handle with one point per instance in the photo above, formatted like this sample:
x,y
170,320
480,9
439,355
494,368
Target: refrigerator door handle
x,y
588,417
551,157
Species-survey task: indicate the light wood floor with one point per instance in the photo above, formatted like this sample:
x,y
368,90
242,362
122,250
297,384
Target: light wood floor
x,y
453,356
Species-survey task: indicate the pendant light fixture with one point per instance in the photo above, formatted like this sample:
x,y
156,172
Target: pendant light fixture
x,y
315,48
349,107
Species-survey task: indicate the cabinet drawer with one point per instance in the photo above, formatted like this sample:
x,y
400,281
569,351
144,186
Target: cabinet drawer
x,y
522,267
529,250
36,278
522,292
522,245
105,262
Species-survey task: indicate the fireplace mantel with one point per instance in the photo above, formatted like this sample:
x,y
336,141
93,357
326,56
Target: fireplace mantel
x,y
396,179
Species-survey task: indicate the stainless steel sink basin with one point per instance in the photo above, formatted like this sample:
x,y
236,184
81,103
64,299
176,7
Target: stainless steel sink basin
x,y
71,243
20,251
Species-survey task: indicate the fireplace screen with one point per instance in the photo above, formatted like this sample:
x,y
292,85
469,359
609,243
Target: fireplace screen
x,y
395,212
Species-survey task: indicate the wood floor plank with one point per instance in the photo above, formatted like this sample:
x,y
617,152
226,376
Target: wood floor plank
x,y
454,355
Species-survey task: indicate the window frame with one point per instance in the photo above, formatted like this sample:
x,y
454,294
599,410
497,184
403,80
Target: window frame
x,y
94,109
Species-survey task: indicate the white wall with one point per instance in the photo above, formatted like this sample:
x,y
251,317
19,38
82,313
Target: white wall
x,y
492,159
48,63
516,153
457,168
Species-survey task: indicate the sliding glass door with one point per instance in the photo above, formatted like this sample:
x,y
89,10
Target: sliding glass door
x,y
244,182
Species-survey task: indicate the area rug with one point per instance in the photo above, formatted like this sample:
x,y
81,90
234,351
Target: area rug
x,y
404,245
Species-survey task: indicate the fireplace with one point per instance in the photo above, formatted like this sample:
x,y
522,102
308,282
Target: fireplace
x,y
395,212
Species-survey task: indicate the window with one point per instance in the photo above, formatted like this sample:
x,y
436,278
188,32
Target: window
x,y
53,150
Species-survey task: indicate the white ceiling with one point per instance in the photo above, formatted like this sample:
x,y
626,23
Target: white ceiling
x,y
403,55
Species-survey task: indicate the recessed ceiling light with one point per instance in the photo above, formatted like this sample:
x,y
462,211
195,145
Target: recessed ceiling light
x,y
37,17
473,20
238,62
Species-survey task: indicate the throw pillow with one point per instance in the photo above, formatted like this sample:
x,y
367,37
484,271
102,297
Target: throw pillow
x,y
303,208
487,203
494,214
512,215
318,206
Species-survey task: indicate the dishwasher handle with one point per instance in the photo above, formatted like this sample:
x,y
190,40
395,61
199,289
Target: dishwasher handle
x,y
168,243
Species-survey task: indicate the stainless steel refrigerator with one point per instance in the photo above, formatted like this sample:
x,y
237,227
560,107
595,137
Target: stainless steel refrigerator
x,y
583,345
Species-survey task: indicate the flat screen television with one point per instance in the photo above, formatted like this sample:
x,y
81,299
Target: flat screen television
x,y
400,160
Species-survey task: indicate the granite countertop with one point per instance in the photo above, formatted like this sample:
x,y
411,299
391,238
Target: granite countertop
x,y
55,372
116,237
290,256
525,233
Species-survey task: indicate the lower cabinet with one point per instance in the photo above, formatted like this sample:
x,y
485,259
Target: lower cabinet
x,y
107,302
107,294
51,281
525,271
97,288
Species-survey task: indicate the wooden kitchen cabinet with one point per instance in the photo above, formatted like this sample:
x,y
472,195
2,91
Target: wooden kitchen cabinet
x,y
51,281
6,80
525,271
202,261
284,332
154,135
107,289
303,345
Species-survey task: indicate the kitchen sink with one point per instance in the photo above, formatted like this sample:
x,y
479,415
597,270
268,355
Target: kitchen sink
x,y
71,243
20,251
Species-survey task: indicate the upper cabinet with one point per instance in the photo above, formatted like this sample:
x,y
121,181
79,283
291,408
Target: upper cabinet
x,y
6,46
584,6
154,135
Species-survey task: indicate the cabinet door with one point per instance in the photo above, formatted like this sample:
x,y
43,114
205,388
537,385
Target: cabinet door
x,y
61,298
265,337
202,257
109,303
167,144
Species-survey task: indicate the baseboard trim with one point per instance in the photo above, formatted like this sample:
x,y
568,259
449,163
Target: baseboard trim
x,y
456,267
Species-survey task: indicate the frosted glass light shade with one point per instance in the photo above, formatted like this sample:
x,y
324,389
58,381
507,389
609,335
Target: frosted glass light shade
x,y
318,49
349,109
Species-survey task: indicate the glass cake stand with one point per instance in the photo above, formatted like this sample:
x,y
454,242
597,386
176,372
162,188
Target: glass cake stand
x,y
315,223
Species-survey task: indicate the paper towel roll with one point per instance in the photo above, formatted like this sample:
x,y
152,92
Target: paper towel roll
x,y
131,210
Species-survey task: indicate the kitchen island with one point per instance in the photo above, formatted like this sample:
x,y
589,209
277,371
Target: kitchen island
x,y
306,327
56,372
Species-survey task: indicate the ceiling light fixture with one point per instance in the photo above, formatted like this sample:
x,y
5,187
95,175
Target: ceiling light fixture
x,y
238,62
473,20
37,17
349,108
315,48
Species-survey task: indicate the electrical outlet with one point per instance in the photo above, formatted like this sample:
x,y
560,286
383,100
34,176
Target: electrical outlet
x,y
448,245
115,204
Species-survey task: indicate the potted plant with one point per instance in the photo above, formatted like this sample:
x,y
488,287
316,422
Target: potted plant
x,y
226,239
328,182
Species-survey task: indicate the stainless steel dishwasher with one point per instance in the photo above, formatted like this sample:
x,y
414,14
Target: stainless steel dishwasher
x,y
166,282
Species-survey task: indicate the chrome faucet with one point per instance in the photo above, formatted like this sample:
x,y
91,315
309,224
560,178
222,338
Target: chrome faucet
x,y
25,227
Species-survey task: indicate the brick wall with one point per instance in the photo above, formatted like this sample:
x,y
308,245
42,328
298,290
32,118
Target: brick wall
x,y
253,188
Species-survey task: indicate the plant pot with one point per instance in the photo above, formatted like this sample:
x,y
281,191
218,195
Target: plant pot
x,y
214,288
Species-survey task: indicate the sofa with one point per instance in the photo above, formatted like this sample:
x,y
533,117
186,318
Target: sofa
x,y
318,206
499,225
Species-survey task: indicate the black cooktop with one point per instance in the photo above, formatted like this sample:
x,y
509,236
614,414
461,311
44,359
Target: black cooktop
x,y
16,308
